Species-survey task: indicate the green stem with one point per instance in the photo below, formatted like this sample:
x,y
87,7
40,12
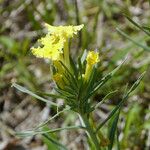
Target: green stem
x,y
90,131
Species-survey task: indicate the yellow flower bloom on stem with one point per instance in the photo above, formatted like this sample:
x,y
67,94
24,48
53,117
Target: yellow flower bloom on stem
x,y
91,59
55,43
50,48
64,31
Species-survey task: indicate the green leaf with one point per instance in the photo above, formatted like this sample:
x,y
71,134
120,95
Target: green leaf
x,y
8,42
87,88
121,102
133,111
74,67
65,93
51,118
135,42
103,100
24,90
73,80
113,130
104,80
48,94
51,141
117,140
70,84
137,25
147,125
35,132
146,28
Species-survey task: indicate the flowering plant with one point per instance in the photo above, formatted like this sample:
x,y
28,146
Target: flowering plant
x,y
76,83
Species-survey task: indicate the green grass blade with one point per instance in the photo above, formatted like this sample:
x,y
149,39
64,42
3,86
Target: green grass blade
x,y
137,25
135,42
133,111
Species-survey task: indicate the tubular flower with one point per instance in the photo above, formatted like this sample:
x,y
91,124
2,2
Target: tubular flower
x,y
92,59
53,45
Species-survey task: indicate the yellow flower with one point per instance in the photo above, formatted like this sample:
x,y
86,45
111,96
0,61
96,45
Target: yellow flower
x,y
50,48
64,32
92,58
54,44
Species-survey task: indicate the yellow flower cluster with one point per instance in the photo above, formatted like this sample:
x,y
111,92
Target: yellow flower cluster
x,y
50,48
64,32
55,47
53,43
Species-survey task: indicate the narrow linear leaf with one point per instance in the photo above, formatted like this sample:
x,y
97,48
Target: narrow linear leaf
x,y
34,132
72,77
121,102
74,67
48,94
137,25
48,142
146,28
130,119
118,144
135,42
51,118
65,93
104,80
70,81
54,142
103,100
24,90
113,130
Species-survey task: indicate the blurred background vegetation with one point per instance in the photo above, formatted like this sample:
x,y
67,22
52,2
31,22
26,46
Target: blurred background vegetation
x,y
22,24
